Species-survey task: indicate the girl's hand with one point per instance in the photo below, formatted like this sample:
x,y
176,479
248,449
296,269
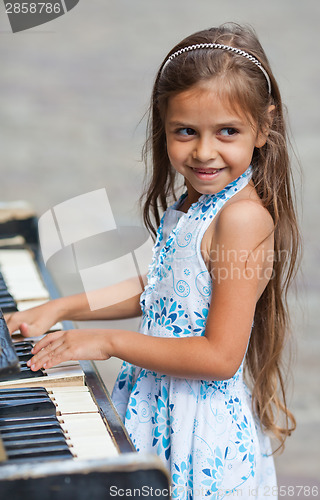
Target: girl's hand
x,y
57,347
35,321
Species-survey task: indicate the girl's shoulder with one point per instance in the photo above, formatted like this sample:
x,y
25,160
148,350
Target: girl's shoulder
x,y
242,222
245,214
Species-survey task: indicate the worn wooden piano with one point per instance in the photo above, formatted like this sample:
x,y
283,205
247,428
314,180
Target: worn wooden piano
x,y
60,435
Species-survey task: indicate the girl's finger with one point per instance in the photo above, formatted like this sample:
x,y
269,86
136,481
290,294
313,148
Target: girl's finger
x,y
24,329
46,354
48,339
52,358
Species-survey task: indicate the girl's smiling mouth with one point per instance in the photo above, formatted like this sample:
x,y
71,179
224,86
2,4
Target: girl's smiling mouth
x,y
206,172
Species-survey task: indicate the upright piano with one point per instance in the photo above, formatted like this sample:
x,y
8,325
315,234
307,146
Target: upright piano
x,y
60,435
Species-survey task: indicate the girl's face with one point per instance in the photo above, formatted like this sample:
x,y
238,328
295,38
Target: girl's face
x,y
207,142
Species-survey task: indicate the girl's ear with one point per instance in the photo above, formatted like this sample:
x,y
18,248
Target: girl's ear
x,y
264,132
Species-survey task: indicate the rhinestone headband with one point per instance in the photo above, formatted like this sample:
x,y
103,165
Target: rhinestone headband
x,y
223,47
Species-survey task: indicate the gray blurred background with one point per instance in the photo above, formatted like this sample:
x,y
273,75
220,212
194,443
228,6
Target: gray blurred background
x,y
73,97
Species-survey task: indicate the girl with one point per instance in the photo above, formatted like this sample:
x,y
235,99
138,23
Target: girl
x,y
214,303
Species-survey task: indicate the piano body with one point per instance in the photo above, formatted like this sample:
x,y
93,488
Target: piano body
x,y
60,435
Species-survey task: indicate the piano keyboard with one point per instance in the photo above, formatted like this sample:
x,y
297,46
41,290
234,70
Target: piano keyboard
x,y
91,449
69,377
56,423
77,411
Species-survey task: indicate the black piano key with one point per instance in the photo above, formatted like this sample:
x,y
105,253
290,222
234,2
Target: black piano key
x,y
24,356
7,399
25,372
22,391
35,406
9,308
23,351
23,344
23,364
50,451
7,300
41,442
17,422
5,294
40,459
31,433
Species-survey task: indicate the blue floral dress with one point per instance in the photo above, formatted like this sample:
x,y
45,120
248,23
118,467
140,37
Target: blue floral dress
x,y
204,431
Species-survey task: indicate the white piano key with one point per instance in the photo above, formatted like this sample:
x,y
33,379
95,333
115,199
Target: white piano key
x,y
21,275
77,402
63,389
82,423
64,364
88,436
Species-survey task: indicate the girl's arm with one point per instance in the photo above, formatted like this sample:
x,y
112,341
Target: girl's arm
x,y
240,273
120,300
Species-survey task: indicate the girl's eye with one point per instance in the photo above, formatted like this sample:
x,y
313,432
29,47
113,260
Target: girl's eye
x,y
228,132
186,132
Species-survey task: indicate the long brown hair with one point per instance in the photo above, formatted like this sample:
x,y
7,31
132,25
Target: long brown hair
x,y
246,89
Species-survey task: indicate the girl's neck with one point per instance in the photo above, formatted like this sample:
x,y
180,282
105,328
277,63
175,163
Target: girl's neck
x,y
192,197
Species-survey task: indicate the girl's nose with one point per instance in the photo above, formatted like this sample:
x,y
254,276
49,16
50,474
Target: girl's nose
x,y
205,150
